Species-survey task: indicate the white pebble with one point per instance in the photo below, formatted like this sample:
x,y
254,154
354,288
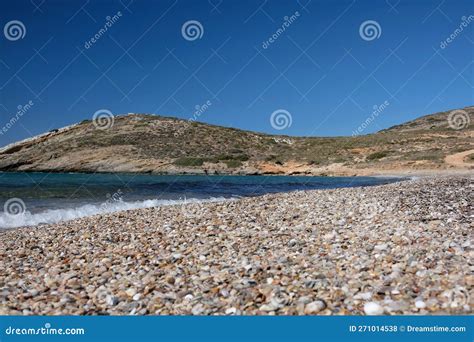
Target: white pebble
x,y
177,256
314,307
111,300
373,308
230,311
381,247
420,304
292,242
363,296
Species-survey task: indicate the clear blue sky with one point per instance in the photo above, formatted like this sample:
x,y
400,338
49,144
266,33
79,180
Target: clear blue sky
x,y
319,69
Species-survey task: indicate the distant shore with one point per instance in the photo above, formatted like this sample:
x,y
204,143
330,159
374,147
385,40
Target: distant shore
x,y
391,173
401,248
145,143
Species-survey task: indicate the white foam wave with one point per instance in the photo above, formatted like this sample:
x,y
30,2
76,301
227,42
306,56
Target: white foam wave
x,y
58,215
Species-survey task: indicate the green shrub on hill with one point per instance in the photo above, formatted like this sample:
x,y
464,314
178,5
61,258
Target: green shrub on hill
x,y
377,155
233,163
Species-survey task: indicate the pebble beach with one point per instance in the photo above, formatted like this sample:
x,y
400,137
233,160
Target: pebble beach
x,y
402,248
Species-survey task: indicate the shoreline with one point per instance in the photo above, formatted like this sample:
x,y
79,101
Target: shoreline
x,y
343,172
50,211
402,247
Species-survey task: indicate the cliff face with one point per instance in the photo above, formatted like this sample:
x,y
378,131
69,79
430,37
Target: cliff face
x,y
149,143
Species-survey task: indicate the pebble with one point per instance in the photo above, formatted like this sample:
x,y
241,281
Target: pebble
x,y
420,304
381,247
314,307
390,249
373,308
292,243
230,311
197,309
111,300
131,292
269,307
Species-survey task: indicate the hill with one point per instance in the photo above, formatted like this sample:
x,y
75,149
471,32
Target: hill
x,y
156,144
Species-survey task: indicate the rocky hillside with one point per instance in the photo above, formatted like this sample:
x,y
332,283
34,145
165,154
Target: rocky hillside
x,y
149,143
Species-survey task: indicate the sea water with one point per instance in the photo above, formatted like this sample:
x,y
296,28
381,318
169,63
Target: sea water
x,y
35,198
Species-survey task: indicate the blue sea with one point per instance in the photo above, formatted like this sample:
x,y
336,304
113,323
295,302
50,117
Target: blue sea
x,y
36,198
